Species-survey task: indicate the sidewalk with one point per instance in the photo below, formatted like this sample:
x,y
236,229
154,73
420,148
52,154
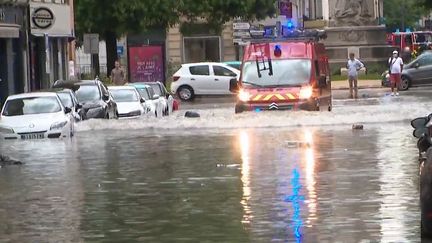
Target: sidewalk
x,y
362,84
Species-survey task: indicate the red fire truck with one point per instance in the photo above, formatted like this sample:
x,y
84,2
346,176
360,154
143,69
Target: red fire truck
x,y
284,73
416,41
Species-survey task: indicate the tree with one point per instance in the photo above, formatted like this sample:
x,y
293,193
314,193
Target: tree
x,y
112,19
402,14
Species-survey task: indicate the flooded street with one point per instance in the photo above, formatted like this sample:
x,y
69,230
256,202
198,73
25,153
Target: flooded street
x,y
253,177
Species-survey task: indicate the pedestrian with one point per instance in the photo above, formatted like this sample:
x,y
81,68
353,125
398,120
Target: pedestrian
x,y
118,74
353,66
406,55
395,70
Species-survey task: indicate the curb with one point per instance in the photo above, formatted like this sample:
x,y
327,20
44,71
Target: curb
x,y
362,87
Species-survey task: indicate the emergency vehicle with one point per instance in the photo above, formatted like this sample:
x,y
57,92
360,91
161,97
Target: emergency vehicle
x,y
415,41
284,73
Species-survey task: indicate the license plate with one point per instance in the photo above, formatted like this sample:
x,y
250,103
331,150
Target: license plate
x,y
33,136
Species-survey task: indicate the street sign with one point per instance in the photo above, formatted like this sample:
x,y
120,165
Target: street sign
x,y
241,34
91,43
120,50
241,26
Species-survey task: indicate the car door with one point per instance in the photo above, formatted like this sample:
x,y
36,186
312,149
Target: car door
x,y
222,76
200,80
421,72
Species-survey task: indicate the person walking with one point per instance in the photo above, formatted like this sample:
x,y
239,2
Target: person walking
x,y
395,69
353,66
118,76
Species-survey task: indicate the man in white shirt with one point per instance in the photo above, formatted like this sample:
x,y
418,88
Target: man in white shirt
x,y
353,66
395,68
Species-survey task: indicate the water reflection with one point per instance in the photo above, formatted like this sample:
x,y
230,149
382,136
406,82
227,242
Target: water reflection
x,y
245,177
310,177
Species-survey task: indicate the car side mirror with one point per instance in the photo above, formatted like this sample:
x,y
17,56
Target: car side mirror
x,y
417,65
142,100
419,122
156,96
68,110
105,97
234,87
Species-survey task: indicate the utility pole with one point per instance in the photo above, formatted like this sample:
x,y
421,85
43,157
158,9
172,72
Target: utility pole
x,y
403,16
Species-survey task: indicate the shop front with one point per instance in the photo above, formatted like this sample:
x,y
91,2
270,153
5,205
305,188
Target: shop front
x,y
51,32
12,51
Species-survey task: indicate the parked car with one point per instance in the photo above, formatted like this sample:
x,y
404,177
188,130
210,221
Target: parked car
x,y
234,64
69,100
165,97
95,99
416,73
152,101
203,79
129,102
35,116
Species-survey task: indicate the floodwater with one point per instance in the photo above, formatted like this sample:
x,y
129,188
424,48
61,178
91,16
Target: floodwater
x,y
253,177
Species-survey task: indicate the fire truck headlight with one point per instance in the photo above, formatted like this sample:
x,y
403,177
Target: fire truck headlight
x,y
306,93
243,96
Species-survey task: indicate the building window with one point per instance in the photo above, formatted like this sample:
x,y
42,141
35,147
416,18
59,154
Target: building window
x,y
201,49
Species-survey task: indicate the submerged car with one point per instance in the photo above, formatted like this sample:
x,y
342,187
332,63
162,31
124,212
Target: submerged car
x,y
96,100
166,98
69,100
129,102
35,116
152,101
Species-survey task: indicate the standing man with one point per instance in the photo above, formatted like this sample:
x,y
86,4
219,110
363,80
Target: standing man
x,y
118,75
353,66
395,69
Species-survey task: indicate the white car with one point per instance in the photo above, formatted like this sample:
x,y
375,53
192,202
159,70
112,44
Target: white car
x,y
129,101
152,100
35,116
205,78
163,95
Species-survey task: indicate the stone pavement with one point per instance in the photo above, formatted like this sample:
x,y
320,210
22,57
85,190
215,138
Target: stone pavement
x,y
362,84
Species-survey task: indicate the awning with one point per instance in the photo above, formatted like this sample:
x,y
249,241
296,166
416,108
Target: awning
x,y
9,30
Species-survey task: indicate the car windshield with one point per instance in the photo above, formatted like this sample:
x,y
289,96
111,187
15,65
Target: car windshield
x,y
292,72
31,106
87,93
157,89
143,92
124,95
66,99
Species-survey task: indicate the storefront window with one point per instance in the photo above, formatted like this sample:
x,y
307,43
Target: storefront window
x,y
201,49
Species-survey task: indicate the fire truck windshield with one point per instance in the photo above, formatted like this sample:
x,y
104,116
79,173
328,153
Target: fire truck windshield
x,y
291,72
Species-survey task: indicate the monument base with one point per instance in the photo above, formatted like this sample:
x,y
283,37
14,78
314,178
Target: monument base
x,y
366,42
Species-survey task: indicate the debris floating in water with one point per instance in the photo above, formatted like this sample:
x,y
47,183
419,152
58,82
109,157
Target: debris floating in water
x,y
192,114
357,127
6,160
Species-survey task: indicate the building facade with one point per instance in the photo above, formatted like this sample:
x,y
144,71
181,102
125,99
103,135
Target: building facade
x,y
50,42
13,49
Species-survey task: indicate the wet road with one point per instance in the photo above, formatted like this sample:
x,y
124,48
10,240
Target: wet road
x,y
254,177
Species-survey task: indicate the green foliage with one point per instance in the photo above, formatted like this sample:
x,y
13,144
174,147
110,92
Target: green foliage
x,y
127,16
401,14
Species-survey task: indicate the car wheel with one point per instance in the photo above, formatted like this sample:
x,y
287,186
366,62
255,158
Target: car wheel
x,y
405,83
186,93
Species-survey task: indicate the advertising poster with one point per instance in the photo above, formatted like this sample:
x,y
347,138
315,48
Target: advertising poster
x,y
146,64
